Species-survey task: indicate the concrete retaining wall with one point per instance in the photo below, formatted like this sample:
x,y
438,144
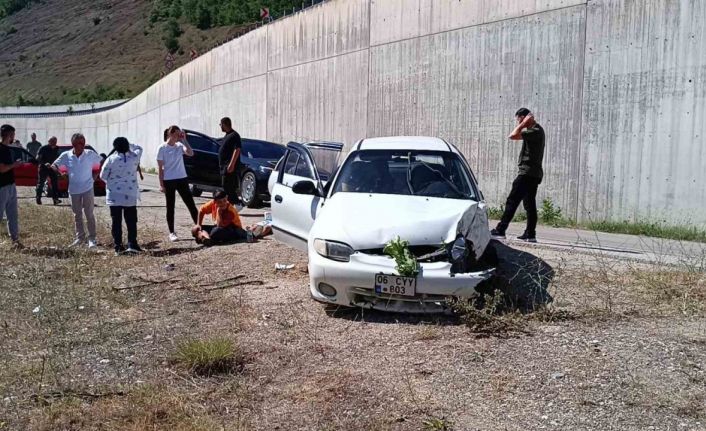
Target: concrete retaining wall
x,y
619,86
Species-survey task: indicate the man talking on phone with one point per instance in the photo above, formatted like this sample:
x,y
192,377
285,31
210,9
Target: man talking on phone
x,y
8,191
529,176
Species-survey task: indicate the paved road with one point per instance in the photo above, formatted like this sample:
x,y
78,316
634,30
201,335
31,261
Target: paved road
x,y
617,245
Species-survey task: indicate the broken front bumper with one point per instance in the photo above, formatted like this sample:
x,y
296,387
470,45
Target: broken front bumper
x,y
354,283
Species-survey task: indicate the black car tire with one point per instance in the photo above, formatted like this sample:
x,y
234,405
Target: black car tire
x,y
248,190
195,191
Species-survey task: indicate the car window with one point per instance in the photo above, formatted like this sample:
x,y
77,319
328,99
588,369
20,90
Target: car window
x,y
326,161
406,172
304,169
262,150
290,167
199,143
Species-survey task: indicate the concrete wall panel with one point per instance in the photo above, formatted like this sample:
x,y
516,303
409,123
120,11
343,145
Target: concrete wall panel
x,y
228,63
195,112
465,86
395,20
245,103
321,100
195,76
332,28
643,111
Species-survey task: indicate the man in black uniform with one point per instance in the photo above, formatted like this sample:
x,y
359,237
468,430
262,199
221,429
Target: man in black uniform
x,y
530,173
229,161
46,156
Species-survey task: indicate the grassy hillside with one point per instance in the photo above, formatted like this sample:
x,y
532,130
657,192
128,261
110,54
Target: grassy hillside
x,y
73,51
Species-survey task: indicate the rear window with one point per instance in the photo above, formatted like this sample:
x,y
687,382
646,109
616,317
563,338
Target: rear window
x,y
262,150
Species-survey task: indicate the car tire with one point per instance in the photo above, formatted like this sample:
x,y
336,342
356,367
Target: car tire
x,y
248,190
195,191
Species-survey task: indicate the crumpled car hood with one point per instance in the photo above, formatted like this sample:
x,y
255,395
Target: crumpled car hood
x,y
369,221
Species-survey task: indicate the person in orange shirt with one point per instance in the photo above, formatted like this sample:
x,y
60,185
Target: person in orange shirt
x,y
227,227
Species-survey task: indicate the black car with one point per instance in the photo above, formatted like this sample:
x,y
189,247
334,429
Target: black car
x,y
257,159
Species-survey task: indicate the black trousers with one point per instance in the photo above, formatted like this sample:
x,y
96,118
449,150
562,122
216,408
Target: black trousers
x,y
116,214
182,186
524,189
224,235
231,185
45,173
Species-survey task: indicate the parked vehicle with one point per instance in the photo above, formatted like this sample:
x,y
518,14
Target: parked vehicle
x,y
256,162
27,173
419,189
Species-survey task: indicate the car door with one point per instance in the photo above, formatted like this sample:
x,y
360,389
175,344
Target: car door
x,y
26,173
294,214
202,167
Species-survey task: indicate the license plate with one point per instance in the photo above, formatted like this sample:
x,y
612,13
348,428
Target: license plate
x,y
395,285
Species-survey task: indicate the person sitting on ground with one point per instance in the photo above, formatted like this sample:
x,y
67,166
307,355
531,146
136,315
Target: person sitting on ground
x,y
227,227
123,192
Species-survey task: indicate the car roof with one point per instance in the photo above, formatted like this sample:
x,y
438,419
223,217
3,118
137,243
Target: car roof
x,y
404,143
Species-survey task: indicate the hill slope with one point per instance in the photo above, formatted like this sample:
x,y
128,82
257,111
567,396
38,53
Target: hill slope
x,y
70,51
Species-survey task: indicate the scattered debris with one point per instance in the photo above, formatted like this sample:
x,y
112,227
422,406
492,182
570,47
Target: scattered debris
x,y
169,267
147,282
283,266
557,376
37,309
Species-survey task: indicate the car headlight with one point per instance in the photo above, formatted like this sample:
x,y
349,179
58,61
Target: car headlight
x,y
265,169
458,250
333,250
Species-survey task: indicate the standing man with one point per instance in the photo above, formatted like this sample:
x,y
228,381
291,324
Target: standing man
x,y
229,161
33,146
530,173
8,192
46,156
120,175
79,165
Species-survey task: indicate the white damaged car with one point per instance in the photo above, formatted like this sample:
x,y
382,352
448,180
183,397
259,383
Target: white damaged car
x,y
416,188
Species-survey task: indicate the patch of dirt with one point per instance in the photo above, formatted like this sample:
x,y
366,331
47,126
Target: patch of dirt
x,y
94,357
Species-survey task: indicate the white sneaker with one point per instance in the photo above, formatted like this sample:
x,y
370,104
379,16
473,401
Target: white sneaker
x,y
76,242
92,243
173,237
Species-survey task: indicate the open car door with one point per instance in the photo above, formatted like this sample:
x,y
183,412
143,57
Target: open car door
x,y
294,209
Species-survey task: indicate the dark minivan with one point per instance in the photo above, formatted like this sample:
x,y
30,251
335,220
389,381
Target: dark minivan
x,y
256,162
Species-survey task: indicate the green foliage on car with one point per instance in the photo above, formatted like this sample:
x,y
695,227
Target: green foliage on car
x,y
398,249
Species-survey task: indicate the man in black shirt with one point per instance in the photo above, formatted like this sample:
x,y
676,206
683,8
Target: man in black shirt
x,y
530,173
46,156
229,161
34,145
8,192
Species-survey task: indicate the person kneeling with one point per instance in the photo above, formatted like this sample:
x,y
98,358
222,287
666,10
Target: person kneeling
x,y
227,227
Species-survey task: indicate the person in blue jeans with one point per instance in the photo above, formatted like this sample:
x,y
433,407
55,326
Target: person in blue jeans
x,y
119,173
8,191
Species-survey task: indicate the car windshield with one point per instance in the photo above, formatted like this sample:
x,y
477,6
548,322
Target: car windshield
x,y
406,172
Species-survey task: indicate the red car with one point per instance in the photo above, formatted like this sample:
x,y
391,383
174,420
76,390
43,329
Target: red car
x,y
27,173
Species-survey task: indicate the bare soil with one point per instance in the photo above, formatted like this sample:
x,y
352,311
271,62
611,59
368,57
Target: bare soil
x,y
58,46
89,342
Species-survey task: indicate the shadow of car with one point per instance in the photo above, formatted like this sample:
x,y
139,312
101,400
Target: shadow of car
x,y
257,159
27,173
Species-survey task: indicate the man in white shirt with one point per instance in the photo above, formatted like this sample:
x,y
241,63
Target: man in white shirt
x,y
79,165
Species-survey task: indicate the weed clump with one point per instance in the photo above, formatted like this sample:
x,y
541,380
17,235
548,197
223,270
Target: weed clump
x,y
209,357
489,315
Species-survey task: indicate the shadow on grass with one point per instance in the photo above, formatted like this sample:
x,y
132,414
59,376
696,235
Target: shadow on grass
x,y
53,252
522,277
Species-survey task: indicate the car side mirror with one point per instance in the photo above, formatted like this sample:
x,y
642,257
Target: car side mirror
x,y
305,187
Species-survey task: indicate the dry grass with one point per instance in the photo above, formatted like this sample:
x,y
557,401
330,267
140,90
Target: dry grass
x,y
208,357
98,358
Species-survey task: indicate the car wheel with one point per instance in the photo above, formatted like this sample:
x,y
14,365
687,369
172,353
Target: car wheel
x,y
248,190
195,191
